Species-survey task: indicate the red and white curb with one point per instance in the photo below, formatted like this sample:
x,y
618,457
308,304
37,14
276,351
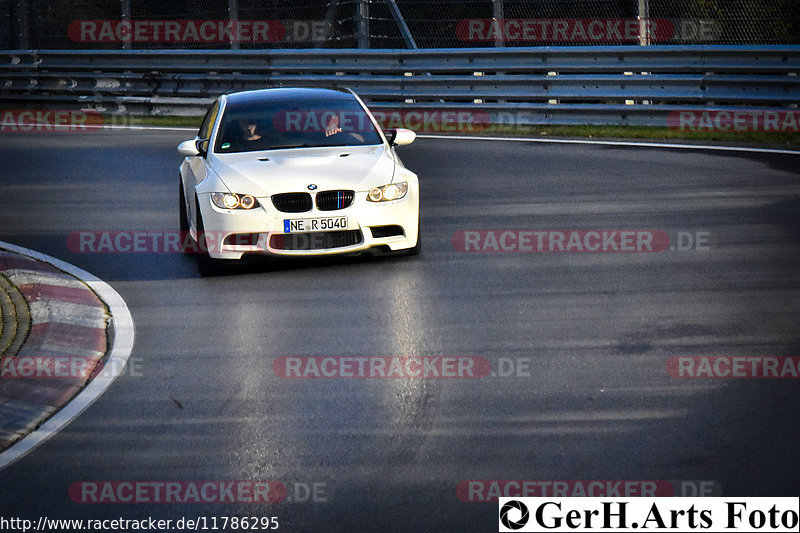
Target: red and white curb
x,y
72,313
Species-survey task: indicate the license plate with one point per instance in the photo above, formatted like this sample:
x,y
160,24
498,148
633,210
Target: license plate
x,y
300,225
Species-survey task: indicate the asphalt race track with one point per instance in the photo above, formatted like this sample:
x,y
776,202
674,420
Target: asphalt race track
x,y
588,335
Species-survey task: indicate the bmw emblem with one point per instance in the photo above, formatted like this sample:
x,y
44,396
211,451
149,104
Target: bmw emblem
x,y
312,187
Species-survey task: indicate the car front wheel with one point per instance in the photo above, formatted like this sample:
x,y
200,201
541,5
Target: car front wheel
x,y
184,219
417,247
207,265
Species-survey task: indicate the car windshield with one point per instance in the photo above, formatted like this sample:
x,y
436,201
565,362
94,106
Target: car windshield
x,y
271,125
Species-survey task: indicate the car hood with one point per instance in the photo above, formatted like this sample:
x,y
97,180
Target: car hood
x,y
271,172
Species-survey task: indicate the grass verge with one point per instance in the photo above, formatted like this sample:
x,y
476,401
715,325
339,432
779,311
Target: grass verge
x,y
579,131
649,133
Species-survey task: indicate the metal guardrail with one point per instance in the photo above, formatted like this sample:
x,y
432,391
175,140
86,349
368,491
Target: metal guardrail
x,y
554,85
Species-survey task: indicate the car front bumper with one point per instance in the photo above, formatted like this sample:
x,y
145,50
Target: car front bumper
x,y
230,234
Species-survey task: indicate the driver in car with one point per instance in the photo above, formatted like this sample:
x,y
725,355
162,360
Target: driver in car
x,y
249,130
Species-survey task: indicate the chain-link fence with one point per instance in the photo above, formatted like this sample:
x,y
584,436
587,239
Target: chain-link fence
x,y
259,24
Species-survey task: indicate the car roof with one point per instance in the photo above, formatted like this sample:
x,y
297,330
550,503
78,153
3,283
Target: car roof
x,y
286,94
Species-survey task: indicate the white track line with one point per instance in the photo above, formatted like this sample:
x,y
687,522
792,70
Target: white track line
x,y
639,144
117,359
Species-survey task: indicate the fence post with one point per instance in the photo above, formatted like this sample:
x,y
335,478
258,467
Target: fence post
x,y
498,15
362,23
125,15
22,25
330,16
233,18
644,21
401,23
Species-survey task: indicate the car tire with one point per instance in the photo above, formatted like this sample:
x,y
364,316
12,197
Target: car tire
x,y
206,265
184,218
417,249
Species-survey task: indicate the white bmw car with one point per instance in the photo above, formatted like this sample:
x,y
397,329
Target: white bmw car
x,y
297,172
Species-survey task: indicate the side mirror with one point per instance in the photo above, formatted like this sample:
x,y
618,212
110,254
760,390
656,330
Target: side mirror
x,y
400,136
188,148
193,147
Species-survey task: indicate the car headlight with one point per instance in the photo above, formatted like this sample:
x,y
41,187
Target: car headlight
x,y
227,200
387,193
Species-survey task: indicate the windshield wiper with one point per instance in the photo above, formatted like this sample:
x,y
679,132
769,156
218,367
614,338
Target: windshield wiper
x,y
287,146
